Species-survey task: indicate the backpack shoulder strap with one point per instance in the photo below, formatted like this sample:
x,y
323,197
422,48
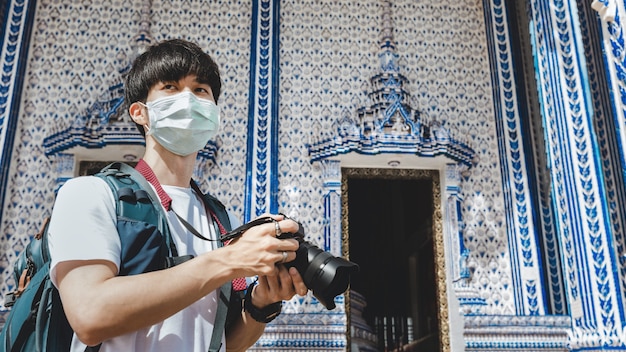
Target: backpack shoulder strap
x,y
125,180
226,296
135,200
131,188
215,206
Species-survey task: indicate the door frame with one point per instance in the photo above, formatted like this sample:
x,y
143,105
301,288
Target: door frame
x,y
438,236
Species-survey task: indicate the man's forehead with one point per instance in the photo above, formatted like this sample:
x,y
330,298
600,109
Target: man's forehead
x,y
192,78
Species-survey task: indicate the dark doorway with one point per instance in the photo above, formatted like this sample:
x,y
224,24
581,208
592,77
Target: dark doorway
x,y
390,237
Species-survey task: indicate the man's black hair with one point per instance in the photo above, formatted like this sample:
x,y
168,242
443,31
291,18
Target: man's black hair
x,y
168,61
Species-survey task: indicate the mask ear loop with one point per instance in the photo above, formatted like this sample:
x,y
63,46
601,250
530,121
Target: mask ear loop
x,y
146,126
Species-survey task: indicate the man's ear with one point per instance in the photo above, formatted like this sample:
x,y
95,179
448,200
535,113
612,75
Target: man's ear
x,y
138,113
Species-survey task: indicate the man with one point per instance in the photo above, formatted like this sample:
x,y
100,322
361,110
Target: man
x,y
172,91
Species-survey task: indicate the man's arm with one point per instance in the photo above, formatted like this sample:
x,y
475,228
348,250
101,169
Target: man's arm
x,y
100,305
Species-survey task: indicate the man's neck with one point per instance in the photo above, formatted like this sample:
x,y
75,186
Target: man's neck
x,y
170,169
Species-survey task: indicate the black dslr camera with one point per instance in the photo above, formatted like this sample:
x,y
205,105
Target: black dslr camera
x,y
324,274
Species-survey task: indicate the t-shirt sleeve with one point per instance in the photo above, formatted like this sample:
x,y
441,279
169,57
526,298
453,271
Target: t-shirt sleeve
x,y
83,225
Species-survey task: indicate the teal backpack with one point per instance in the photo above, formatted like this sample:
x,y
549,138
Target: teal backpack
x,y
37,322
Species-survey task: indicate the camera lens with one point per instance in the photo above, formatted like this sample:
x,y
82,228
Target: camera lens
x,y
324,274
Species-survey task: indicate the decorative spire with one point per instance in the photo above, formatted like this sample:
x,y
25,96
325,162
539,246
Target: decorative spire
x,y
387,55
143,39
387,31
390,124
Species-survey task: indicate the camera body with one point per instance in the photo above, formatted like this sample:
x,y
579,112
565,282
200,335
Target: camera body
x,y
324,274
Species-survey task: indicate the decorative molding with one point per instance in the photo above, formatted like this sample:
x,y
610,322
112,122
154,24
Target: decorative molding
x,y
317,328
523,246
607,112
517,333
105,122
615,55
262,162
316,336
590,265
331,172
607,9
454,221
13,53
614,42
457,253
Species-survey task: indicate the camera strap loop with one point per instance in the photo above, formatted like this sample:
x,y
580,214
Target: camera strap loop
x,y
236,233
190,227
239,284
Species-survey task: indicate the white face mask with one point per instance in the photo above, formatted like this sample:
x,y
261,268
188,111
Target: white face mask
x,y
183,123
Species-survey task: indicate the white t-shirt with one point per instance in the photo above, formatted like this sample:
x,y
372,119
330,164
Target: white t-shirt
x,y
83,227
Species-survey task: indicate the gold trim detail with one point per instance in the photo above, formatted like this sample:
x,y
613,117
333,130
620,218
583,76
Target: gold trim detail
x,y
440,265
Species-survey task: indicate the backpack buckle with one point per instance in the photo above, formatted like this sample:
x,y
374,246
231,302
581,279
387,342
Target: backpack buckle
x,y
9,299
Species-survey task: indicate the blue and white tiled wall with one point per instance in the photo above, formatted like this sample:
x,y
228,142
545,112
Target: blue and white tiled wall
x,y
325,53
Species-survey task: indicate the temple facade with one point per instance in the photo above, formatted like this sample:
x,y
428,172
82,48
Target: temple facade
x,y
469,156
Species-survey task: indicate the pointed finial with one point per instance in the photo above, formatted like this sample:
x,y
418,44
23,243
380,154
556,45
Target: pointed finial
x,y
143,39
